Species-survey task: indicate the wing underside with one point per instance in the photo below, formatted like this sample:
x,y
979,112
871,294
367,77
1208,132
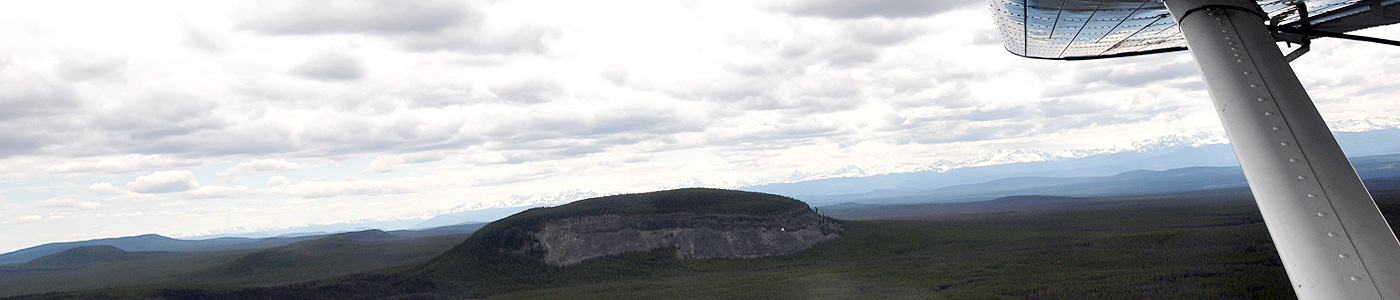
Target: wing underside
x,y
1086,29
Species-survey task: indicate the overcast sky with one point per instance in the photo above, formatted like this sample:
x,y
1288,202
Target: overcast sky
x,y
193,117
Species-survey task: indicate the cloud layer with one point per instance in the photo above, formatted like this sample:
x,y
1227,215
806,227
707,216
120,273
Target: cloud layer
x,y
164,182
252,114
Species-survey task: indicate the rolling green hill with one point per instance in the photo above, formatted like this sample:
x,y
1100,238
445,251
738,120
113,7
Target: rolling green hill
x,y
366,235
99,267
146,242
325,257
87,255
480,266
158,243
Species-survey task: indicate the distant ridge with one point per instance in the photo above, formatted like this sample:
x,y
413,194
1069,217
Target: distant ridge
x,y
154,242
1130,182
145,242
1158,154
367,235
270,260
327,256
83,255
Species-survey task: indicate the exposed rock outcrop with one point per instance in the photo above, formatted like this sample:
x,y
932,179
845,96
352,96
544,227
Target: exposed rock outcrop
x,y
571,240
696,223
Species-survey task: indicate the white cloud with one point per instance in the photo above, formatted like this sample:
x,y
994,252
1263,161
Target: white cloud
x,y
277,181
164,182
376,17
105,189
331,66
532,90
462,101
865,9
217,192
26,219
262,166
133,198
389,163
31,90
108,164
356,187
68,203
7,207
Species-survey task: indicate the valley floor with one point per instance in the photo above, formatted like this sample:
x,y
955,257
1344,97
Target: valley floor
x,y
1189,252
1208,245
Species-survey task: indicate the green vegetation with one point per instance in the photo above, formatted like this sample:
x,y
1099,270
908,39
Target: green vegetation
x,y
1138,253
1207,245
321,258
303,261
140,243
87,255
482,264
366,235
690,200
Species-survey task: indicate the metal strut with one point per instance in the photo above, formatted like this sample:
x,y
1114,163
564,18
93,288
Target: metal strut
x,y
1304,41
1301,32
1331,237
1310,32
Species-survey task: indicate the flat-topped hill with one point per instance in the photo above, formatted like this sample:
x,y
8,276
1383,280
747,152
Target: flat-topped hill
x,y
682,223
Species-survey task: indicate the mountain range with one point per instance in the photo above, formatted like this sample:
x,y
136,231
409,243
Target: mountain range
x,y
1158,154
1363,137
1050,172
153,242
1382,169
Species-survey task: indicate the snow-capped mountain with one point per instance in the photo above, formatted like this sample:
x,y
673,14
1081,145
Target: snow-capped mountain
x,y
1363,125
1186,139
1002,158
543,199
1194,139
1170,151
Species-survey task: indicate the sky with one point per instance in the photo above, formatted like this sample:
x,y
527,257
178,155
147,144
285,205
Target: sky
x,y
187,118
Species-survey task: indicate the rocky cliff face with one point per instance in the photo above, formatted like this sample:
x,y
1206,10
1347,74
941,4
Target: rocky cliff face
x,y
572,240
696,223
